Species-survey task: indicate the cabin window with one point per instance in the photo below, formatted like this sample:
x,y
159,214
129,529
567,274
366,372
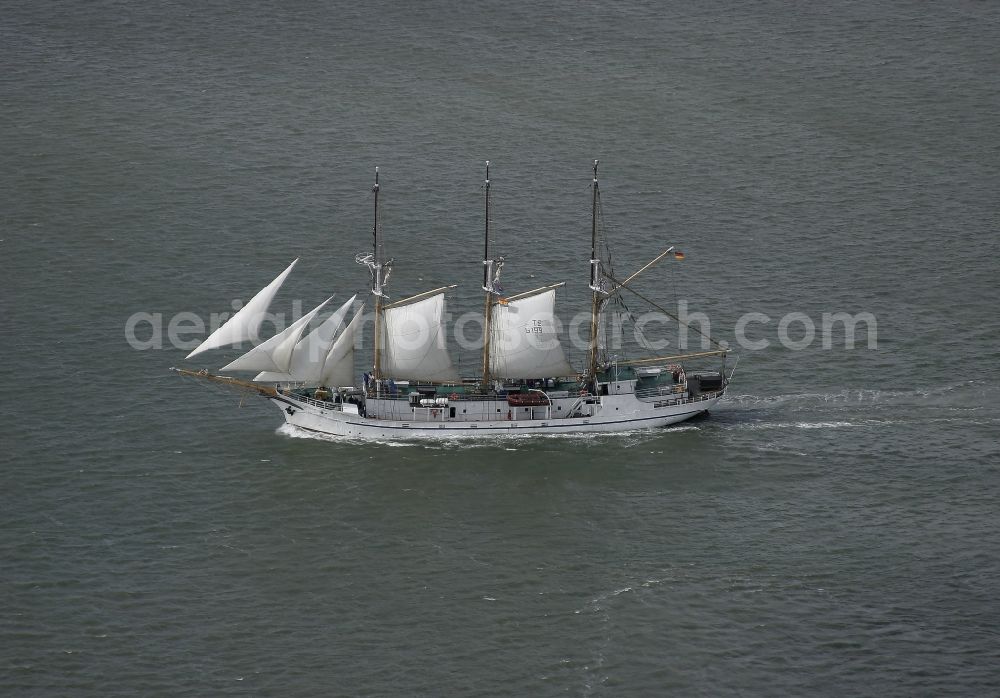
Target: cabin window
x,y
452,413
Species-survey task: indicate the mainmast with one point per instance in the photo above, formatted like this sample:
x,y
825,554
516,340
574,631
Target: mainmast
x,y
380,277
595,285
491,276
487,287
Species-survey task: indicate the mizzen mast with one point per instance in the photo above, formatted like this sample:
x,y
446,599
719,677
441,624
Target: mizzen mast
x,y
377,287
596,286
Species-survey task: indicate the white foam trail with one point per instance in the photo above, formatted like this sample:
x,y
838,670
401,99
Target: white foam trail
x,y
796,425
294,432
854,396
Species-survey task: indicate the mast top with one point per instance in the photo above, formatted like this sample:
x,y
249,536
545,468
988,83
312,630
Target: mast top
x,y
375,188
595,169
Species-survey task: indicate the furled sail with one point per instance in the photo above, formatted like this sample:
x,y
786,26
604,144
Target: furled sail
x,y
414,342
602,330
338,369
524,342
276,353
310,353
246,323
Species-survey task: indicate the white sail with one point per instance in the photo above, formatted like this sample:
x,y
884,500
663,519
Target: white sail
x,y
338,369
276,353
524,342
311,352
246,323
414,342
275,377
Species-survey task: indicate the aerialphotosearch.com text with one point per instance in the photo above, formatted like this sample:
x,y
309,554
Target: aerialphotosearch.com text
x,y
653,331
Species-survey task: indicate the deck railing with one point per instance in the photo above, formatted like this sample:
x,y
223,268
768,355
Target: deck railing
x,y
460,397
647,395
659,391
663,395
325,404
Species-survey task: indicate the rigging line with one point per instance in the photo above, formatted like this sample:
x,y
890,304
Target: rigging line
x,y
491,228
673,282
491,241
602,229
645,343
619,302
668,313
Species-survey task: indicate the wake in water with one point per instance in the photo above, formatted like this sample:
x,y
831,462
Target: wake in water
x,y
965,401
940,395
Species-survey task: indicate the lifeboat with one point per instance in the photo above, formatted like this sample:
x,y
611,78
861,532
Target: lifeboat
x,y
526,400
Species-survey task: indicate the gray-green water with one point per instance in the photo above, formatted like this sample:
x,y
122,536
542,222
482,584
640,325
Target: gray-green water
x,y
831,529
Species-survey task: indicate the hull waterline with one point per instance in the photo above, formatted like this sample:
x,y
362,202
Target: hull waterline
x,y
332,421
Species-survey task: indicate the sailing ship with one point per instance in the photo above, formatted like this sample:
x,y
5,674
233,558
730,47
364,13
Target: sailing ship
x,y
526,385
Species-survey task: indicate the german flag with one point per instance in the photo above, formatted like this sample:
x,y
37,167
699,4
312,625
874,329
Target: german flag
x,y
678,254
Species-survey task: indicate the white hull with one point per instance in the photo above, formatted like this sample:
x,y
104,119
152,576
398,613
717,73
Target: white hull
x,y
614,413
